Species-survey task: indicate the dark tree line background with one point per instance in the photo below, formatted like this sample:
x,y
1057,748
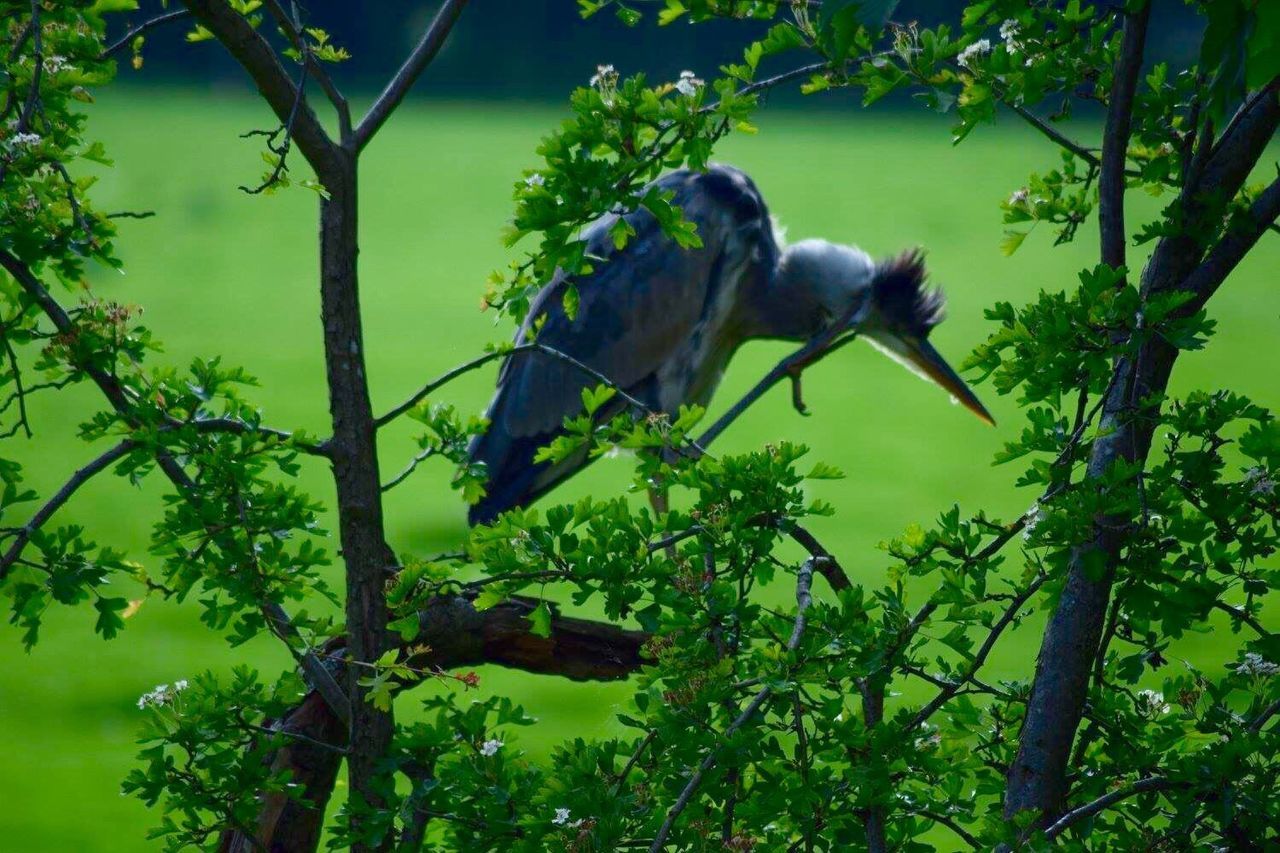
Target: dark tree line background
x,y
541,49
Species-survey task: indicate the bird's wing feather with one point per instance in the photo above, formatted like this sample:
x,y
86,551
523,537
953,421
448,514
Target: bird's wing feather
x,y
635,309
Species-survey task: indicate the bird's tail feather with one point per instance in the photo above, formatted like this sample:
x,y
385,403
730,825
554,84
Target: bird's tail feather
x,y
514,479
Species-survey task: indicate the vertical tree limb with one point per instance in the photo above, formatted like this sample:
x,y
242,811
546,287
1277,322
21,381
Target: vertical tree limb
x,y
1115,139
354,453
1037,779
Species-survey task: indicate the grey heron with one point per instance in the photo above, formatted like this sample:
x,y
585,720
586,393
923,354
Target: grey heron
x,y
662,322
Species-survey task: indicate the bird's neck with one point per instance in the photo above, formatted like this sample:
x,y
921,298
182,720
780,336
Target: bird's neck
x,y
789,304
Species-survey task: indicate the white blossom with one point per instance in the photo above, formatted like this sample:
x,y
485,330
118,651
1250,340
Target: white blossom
x,y
1018,197
25,139
561,818
54,64
1256,664
1009,33
980,47
162,694
605,75
1152,701
1034,516
688,84
535,180
491,747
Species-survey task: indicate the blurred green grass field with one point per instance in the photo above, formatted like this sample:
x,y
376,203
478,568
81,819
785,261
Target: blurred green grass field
x,y
222,273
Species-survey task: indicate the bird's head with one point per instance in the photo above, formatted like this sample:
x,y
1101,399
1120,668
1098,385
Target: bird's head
x,y
888,303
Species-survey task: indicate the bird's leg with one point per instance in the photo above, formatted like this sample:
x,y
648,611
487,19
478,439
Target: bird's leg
x,y
658,498
797,397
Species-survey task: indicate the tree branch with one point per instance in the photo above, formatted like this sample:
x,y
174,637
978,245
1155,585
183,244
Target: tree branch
x,y
455,635
127,38
1151,783
255,55
292,30
1115,137
46,511
1238,148
1205,280
425,51
458,635
288,822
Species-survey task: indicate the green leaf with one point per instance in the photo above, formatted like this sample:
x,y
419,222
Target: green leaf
x,y
630,17
594,398
1011,241
490,596
407,627
109,619
101,7
540,620
823,471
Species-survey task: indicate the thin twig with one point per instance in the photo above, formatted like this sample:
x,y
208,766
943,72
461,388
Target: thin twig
x,y
409,469
234,425
293,31
1053,134
632,761
20,393
1151,783
1261,720
127,38
46,511
453,374
979,659
804,581
281,151
837,335
950,824
1245,617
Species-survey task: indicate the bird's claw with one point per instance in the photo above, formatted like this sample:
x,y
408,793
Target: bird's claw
x,y
797,398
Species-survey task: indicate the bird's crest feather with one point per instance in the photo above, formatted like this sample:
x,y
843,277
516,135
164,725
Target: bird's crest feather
x,y
902,296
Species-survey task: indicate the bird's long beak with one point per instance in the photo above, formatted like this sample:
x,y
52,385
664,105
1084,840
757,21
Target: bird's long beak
x,y
920,356
931,363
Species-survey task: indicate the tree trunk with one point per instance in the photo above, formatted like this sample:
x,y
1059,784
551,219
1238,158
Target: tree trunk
x,y
355,471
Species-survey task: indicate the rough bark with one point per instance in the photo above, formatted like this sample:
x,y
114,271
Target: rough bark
x,y
287,824
353,450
